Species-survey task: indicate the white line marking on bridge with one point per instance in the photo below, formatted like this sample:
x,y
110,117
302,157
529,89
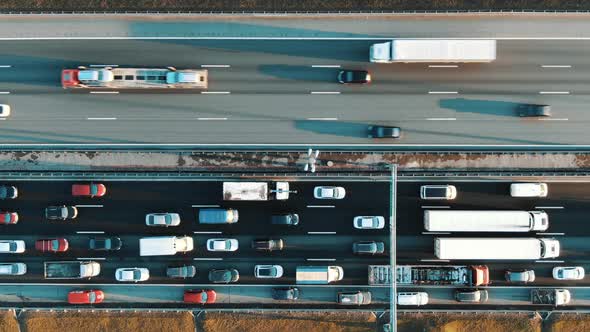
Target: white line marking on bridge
x,y
321,233
215,92
443,92
4,92
101,119
90,206
325,92
435,207
443,66
551,262
441,119
104,66
104,92
435,260
321,206
205,232
5,66
436,233
321,259
325,66
3,119
554,92
207,259
90,232
91,258
215,66
558,119
321,119
550,234
548,207
211,119
556,66
204,205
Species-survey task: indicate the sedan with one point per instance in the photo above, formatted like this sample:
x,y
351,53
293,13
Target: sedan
x,y
13,269
133,274
518,276
369,222
223,276
61,212
325,192
200,296
89,190
222,245
472,296
4,110
348,76
568,273
162,219
533,110
289,293
368,247
268,271
8,192
105,243
7,218
52,245
85,297
12,246
384,132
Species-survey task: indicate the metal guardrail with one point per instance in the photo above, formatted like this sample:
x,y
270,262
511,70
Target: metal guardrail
x,y
295,12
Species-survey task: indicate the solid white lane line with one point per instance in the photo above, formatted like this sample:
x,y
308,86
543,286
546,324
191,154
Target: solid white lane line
x,y
321,206
90,232
443,66
105,92
435,260
211,119
321,233
554,92
91,258
550,262
557,119
322,119
207,232
5,66
549,234
325,92
215,66
556,66
103,66
321,259
441,119
215,92
435,233
4,92
95,205
443,92
3,119
549,207
435,207
207,259
325,66
101,118
204,205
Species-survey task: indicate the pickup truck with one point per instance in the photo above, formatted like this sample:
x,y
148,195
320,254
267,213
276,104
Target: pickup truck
x,y
550,296
71,270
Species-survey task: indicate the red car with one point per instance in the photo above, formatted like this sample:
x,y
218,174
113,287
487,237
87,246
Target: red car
x,y
200,296
89,189
52,245
85,297
8,218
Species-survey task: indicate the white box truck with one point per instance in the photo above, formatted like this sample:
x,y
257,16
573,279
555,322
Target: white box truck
x,y
485,221
433,50
255,191
477,248
164,245
318,275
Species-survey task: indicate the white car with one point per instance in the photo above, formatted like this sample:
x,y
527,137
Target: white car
x,y
528,190
162,219
13,269
323,192
268,271
369,222
568,273
4,110
133,274
222,245
12,246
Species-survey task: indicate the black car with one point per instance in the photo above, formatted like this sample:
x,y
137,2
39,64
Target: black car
x,y
347,76
285,219
290,293
534,110
384,132
268,244
61,212
368,247
185,271
8,192
223,276
105,243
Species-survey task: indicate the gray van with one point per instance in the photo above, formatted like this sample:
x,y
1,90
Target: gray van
x,y
218,216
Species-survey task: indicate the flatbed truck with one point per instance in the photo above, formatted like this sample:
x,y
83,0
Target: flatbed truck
x,y
71,269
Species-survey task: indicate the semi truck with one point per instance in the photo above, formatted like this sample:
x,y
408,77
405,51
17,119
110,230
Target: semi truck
x,y
255,191
550,296
433,50
456,275
318,275
165,245
495,248
485,221
134,78
71,269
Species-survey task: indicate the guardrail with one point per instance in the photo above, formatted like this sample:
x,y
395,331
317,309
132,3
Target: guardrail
x,y
295,12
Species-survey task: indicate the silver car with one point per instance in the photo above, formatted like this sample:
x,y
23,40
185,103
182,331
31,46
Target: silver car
x,y
328,192
13,269
162,219
369,222
133,274
268,271
222,245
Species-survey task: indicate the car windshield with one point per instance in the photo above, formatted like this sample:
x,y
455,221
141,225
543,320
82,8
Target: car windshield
x,y
93,189
92,297
227,245
204,297
12,246
3,192
167,219
54,245
265,271
6,217
136,274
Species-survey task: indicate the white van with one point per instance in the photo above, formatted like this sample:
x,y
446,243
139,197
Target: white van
x,y
528,190
165,245
412,298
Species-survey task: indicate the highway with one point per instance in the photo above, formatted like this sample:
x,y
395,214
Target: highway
x,y
285,92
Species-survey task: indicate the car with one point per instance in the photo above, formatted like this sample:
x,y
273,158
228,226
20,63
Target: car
x,y
384,132
91,296
445,192
350,76
368,247
529,190
329,192
412,298
4,110
162,219
222,244
534,110
291,219
471,295
12,246
62,212
52,245
89,189
268,244
8,192
13,269
223,276
268,271
200,296
285,293
133,274
520,276
185,271
105,243
568,273
354,298
7,218
369,222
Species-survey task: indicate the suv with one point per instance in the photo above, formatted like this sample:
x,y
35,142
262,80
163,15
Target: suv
x,y
438,192
61,212
186,271
105,243
384,132
533,110
348,76
528,190
224,276
285,219
471,295
356,298
268,244
268,271
523,276
13,269
368,247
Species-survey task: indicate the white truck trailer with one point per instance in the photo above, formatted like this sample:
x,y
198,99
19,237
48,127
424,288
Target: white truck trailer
x,y
318,275
485,221
433,50
456,275
255,191
495,248
165,245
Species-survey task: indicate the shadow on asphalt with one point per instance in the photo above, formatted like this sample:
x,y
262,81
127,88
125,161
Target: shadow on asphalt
x,y
479,106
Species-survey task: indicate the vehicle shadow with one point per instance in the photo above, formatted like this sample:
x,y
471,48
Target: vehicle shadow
x,y
479,106
338,128
300,73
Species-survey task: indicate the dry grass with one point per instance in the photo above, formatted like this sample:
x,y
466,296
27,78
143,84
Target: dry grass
x,y
273,322
568,323
468,323
8,322
100,322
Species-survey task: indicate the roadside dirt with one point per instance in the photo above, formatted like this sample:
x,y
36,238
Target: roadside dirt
x,y
8,322
468,323
568,323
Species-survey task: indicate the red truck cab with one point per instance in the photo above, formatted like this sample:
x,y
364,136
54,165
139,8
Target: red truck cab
x,y
89,189
52,245
69,78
